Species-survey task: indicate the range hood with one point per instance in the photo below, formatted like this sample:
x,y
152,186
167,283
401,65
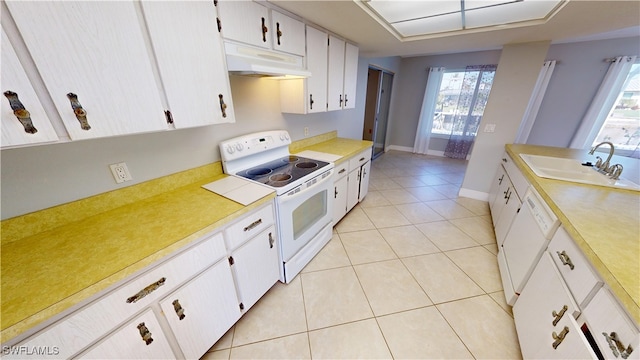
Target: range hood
x,y
251,61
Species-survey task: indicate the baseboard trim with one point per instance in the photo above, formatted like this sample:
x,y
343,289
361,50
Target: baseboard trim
x,y
399,148
473,194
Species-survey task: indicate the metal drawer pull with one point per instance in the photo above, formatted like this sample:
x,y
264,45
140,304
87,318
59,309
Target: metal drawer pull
x,y
278,32
342,171
500,180
311,101
145,333
558,316
146,291
559,337
264,31
178,308
566,260
271,241
616,345
20,112
223,106
253,225
81,114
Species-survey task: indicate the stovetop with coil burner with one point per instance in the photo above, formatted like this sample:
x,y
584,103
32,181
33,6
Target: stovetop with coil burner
x,y
283,171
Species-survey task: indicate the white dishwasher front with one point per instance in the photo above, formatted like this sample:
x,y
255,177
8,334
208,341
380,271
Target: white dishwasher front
x,y
532,229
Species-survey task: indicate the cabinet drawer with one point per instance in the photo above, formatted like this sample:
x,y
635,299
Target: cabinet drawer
x,y
341,170
517,179
609,324
249,226
75,332
574,268
360,159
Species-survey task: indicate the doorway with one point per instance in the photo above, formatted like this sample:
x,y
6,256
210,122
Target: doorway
x,y
376,112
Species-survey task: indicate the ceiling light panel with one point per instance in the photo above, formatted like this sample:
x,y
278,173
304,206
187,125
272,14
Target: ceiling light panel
x,y
432,25
509,13
398,11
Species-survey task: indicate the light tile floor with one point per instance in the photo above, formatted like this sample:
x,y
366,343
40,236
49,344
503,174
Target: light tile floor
x,y
410,273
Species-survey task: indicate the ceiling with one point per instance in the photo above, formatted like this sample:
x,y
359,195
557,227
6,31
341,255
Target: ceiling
x,y
578,20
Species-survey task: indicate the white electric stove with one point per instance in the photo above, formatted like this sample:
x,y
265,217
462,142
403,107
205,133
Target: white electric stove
x,y
303,189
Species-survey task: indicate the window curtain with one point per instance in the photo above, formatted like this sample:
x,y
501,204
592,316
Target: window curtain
x,y
425,122
533,107
476,86
602,102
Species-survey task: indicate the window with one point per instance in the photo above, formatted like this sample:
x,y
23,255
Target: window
x,y
462,97
622,124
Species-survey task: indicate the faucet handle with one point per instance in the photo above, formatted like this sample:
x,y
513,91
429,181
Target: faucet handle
x,y
616,171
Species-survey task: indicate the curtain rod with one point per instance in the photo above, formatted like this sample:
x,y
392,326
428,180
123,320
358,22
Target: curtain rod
x,y
614,59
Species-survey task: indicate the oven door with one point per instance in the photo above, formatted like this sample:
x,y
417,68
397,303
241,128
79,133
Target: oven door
x,y
303,212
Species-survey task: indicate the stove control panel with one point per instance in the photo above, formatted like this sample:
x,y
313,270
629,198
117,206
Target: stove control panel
x,y
253,144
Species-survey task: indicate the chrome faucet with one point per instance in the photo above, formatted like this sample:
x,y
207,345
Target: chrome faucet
x,y
604,167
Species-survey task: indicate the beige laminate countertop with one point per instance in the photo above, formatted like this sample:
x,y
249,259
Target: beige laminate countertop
x,y
604,223
55,259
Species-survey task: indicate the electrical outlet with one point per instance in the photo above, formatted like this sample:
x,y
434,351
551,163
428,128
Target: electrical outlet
x,y
306,131
489,128
120,172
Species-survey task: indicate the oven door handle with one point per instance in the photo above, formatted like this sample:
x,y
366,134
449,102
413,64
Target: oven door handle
x,y
286,197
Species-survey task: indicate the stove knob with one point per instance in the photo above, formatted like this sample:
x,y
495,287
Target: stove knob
x,y
282,136
230,149
286,136
239,146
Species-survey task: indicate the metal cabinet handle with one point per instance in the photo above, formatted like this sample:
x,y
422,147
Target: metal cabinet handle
x,y
335,192
179,310
342,171
81,114
145,333
340,100
616,345
278,32
345,99
264,31
271,241
558,316
566,260
20,112
311,101
253,225
504,160
500,180
508,196
223,106
559,337
146,291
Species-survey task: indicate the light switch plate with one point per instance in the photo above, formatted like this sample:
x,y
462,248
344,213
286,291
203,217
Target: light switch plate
x,y
489,128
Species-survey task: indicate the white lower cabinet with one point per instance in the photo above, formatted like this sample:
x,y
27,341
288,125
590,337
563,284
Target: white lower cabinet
x,y
178,307
351,184
256,267
204,309
340,192
140,338
544,317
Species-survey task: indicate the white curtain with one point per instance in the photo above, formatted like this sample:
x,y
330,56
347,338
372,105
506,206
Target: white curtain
x,y
602,102
425,122
533,107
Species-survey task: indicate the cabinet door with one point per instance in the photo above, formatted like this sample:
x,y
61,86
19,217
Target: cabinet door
x,y
317,52
350,76
257,267
494,193
141,338
364,180
335,86
353,184
502,192
340,199
190,57
204,309
507,214
15,80
245,21
287,34
78,49
542,302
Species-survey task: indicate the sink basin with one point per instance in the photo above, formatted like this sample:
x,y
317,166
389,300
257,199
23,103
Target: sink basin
x,y
572,170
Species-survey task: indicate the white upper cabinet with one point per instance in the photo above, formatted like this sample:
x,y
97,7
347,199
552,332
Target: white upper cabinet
x,y
343,74
309,95
245,21
94,63
350,76
287,34
190,57
24,121
336,74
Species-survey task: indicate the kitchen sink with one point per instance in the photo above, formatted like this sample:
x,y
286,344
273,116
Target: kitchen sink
x,y
572,170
